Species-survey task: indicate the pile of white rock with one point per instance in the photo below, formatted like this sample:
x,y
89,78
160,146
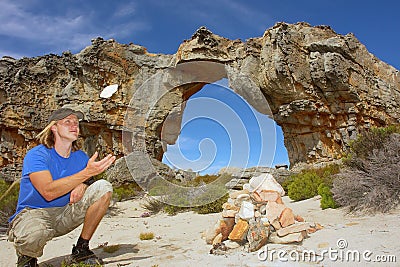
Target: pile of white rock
x,y
255,216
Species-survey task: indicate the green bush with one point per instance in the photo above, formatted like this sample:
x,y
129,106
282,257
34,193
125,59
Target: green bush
x,y
172,210
126,191
160,187
200,179
371,140
213,207
327,200
305,184
285,184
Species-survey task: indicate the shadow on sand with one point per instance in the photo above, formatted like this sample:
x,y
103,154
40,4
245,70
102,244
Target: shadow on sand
x,y
122,255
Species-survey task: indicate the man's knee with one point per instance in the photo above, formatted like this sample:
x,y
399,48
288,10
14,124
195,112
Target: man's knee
x,y
102,190
106,198
103,186
36,237
32,241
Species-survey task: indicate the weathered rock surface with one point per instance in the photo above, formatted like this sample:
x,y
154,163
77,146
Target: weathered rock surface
x,y
322,88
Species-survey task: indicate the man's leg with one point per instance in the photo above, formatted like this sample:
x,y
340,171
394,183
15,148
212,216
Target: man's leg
x,y
94,214
89,210
30,230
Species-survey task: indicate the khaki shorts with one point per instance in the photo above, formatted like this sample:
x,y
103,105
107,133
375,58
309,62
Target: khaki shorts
x,y
32,228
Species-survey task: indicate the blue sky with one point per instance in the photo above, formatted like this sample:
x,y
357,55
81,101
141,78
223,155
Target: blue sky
x,y
31,28
220,129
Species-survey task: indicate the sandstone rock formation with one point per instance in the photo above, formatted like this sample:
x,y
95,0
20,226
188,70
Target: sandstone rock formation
x,y
322,88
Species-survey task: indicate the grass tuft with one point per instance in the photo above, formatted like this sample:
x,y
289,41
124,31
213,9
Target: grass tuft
x,y
146,236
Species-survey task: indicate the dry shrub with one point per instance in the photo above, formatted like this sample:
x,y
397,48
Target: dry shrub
x,y
8,200
370,181
208,199
371,140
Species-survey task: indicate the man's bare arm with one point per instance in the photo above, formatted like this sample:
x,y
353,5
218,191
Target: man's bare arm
x,y
51,189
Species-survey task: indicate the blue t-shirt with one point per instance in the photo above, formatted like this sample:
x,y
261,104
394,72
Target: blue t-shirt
x,y
41,158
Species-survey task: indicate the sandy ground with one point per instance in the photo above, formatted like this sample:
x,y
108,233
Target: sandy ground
x,y
179,240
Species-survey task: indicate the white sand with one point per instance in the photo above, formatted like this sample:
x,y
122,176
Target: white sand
x,y
179,240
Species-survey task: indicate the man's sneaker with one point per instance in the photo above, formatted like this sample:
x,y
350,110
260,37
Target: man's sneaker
x,y
84,255
26,261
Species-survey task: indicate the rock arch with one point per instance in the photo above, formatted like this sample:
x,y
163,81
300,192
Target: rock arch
x,y
322,88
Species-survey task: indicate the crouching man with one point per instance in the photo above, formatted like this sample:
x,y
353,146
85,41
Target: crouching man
x,y
56,194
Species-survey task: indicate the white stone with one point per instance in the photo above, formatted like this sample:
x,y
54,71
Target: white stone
x,y
263,209
247,187
246,211
231,244
294,228
237,217
109,91
229,213
240,198
264,221
212,232
290,238
265,181
231,201
217,239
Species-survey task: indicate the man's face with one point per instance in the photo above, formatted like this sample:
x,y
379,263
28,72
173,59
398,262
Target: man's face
x,y
68,128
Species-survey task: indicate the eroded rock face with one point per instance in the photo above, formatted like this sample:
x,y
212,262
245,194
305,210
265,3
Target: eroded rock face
x,y
321,88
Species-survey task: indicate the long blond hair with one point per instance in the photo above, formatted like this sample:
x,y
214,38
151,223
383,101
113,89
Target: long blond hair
x,y
46,137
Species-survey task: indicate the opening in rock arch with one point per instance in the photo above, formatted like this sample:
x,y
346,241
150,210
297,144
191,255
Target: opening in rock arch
x,y
220,129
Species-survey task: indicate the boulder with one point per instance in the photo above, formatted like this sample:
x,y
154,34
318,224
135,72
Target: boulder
x,y
257,236
287,217
267,195
246,211
235,193
227,227
266,182
239,232
302,70
212,232
273,210
287,239
229,213
294,228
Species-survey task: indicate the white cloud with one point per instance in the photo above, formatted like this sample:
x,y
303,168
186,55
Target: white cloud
x,y
185,142
70,31
216,15
182,158
10,54
16,22
126,29
125,10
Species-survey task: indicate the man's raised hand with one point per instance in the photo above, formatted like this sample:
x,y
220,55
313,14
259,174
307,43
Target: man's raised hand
x,y
94,167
